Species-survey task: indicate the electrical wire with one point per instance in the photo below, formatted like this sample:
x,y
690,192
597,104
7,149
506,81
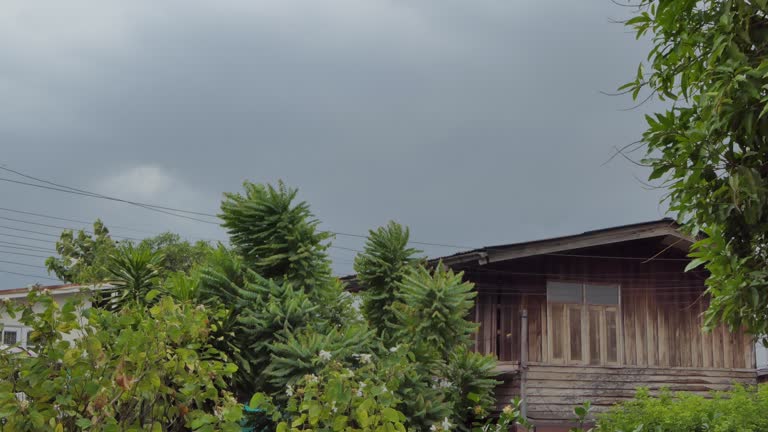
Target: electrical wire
x,y
616,257
22,254
97,195
88,223
23,246
20,264
28,275
56,227
27,238
68,189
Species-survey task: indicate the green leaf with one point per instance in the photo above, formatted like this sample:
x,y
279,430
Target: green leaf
x,y
695,263
339,423
151,295
390,415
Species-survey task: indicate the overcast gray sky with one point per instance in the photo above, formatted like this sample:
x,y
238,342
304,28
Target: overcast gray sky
x,y
474,122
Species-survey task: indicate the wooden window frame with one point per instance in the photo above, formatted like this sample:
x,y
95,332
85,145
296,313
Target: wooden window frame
x,y
585,308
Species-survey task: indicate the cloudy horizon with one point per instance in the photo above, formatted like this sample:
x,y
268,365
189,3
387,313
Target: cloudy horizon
x,y
474,123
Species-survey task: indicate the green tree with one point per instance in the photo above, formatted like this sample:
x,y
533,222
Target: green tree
x,y
436,305
179,255
83,257
133,273
710,148
137,369
380,270
277,237
276,287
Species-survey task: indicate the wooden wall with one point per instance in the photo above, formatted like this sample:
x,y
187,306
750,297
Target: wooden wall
x,y
661,307
662,343
553,391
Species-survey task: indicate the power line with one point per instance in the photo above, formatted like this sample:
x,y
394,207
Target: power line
x,y
20,264
346,249
75,192
617,257
56,227
26,238
68,189
88,223
26,246
29,231
28,275
412,242
22,254
98,195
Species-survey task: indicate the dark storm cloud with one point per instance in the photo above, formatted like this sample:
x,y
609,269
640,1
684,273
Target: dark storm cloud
x,y
473,122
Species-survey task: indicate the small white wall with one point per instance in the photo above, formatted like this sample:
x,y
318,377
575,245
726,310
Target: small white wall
x,y
762,356
13,324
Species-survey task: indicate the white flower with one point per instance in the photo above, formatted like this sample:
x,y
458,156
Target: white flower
x,y
446,424
312,378
394,348
433,428
324,355
360,389
289,390
363,358
444,383
384,389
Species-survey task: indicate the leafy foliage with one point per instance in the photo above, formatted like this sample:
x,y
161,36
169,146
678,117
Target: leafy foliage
x,y
436,306
741,409
472,378
179,255
276,237
136,369
710,58
297,355
339,399
133,273
380,270
83,257
510,417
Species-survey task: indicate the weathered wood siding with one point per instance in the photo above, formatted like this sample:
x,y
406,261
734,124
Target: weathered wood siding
x,y
660,312
553,391
661,343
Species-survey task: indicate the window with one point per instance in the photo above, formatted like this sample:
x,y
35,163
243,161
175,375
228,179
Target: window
x,y
10,337
583,323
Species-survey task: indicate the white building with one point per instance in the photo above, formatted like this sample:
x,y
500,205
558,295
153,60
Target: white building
x,y
12,330
762,362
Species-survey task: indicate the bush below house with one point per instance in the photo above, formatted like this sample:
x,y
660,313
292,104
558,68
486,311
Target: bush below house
x,y
742,409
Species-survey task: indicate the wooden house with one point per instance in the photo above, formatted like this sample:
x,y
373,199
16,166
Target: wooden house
x,y
594,316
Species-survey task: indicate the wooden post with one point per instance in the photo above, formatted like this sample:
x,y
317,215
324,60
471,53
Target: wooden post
x,y
523,360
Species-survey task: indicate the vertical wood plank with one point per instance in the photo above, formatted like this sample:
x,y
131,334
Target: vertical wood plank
x,y
706,339
663,326
727,347
652,341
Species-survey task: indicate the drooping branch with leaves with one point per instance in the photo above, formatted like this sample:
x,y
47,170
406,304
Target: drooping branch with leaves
x,y
709,60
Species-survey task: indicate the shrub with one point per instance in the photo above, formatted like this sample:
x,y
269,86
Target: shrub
x,y
338,398
742,409
136,369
